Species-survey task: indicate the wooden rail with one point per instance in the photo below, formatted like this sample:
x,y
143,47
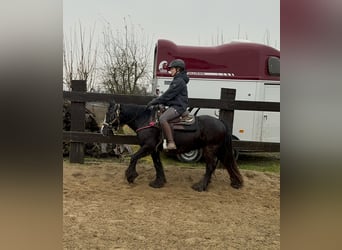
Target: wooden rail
x,y
227,104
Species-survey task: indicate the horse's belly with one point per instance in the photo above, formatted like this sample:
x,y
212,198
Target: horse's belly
x,y
189,140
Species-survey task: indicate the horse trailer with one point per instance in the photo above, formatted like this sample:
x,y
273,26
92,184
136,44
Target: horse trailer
x,y
250,68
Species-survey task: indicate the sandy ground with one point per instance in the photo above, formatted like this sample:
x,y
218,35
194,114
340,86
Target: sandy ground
x,y
103,211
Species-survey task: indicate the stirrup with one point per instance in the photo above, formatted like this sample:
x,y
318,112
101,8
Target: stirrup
x,y
169,145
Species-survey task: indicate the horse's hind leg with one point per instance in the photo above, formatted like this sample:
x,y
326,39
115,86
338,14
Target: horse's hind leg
x,y
211,162
160,175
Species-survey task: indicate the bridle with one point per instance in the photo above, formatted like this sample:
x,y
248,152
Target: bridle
x,y
115,120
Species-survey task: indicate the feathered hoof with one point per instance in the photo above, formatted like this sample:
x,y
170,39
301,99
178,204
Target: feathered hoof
x,y
236,185
157,183
199,187
130,176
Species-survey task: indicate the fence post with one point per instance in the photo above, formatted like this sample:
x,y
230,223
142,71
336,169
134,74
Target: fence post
x,y
77,113
228,115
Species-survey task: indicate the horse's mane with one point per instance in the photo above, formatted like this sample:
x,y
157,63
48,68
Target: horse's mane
x,y
135,111
134,108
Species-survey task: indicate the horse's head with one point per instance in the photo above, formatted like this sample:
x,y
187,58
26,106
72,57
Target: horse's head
x,y
111,121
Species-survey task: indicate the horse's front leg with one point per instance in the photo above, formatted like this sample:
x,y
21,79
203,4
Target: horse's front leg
x,y
131,172
160,175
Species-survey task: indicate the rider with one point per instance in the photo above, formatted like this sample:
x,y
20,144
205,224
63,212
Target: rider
x,y
176,97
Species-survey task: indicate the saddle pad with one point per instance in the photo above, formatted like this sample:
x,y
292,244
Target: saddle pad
x,y
186,128
187,120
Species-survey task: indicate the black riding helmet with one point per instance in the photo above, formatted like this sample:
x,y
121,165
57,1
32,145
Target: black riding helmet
x,y
177,63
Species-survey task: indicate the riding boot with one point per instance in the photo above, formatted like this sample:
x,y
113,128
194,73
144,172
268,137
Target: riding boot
x,y
168,133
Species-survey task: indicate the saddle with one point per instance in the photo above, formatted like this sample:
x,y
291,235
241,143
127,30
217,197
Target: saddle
x,y
186,122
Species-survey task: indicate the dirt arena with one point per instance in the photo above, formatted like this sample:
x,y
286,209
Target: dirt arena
x,y
102,211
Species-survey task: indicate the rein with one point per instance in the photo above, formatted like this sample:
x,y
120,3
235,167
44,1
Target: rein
x,y
150,125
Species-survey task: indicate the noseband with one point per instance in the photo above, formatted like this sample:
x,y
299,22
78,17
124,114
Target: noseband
x,y
116,119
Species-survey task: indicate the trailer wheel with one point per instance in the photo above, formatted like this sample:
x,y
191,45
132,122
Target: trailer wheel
x,y
191,156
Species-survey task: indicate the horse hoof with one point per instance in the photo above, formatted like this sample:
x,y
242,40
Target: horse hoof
x,y
198,187
157,184
236,185
131,177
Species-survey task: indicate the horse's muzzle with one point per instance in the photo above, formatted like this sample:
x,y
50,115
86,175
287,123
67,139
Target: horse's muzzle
x,y
106,130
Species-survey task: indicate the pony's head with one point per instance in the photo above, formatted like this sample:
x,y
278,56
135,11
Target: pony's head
x,y
111,121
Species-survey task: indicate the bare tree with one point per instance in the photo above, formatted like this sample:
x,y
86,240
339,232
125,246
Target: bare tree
x,y
126,60
80,57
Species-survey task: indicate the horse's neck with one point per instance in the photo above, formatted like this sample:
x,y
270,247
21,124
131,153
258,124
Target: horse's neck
x,y
134,116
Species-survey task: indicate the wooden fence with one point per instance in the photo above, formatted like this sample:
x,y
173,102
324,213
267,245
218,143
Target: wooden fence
x,y
227,104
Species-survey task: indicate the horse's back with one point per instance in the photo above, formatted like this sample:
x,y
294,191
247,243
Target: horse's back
x,y
211,128
209,122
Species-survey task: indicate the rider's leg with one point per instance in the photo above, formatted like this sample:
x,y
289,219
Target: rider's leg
x,y
168,115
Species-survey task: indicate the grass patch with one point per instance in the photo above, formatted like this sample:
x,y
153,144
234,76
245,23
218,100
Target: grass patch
x,y
263,162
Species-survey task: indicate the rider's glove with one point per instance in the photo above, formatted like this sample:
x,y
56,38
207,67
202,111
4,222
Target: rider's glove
x,y
151,103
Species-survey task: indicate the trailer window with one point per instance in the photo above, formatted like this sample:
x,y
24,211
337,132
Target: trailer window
x,y
273,66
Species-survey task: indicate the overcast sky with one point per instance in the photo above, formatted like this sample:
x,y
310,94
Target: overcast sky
x,y
185,22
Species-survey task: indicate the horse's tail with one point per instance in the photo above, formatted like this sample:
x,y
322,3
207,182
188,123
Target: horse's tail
x,y
226,156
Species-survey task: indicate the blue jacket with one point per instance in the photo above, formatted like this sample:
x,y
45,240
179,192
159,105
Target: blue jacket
x,y
176,95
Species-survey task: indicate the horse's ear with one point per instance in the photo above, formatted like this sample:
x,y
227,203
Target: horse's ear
x,y
112,103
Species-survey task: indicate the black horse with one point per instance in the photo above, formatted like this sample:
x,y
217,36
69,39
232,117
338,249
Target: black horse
x,y
211,135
